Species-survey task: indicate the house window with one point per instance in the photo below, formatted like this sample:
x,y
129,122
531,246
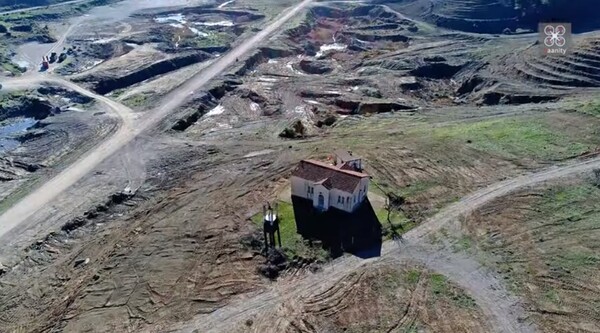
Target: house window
x,y
339,199
348,201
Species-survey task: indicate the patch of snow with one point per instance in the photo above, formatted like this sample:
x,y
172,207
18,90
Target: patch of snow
x,y
92,65
361,41
217,110
267,79
254,107
258,153
291,68
222,126
175,17
272,61
198,32
22,63
176,25
329,47
225,4
313,102
216,24
332,92
299,109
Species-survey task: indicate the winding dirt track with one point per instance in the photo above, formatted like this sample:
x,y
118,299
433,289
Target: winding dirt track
x,y
503,311
14,11
23,209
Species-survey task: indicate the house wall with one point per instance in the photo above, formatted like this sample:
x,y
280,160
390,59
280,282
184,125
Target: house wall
x,y
320,189
357,164
347,205
360,192
299,187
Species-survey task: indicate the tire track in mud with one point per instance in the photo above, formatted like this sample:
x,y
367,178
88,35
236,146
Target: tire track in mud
x,y
504,311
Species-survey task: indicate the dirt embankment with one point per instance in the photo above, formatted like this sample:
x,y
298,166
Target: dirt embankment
x,y
104,84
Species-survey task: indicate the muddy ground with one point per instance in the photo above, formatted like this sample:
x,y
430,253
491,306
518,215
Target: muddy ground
x,y
155,236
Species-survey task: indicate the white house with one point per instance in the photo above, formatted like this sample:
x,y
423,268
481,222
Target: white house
x,y
329,186
345,160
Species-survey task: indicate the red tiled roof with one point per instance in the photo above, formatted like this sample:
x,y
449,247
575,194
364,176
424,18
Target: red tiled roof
x,y
329,175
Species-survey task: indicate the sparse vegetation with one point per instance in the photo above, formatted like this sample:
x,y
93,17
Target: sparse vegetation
x,y
441,288
545,245
292,243
512,138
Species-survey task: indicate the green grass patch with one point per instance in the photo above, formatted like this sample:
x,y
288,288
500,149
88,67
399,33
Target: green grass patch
x,y
441,288
417,188
292,243
412,277
552,296
464,243
136,100
214,39
510,138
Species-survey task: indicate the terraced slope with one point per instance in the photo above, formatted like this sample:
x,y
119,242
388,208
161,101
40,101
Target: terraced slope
x,y
581,68
495,16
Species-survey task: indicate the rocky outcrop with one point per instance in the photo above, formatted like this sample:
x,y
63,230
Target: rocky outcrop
x,y
370,92
260,56
371,106
494,98
295,130
106,51
11,169
25,106
73,96
475,84
436,70
202,104
409,83
22,28
105,84
316,66
382,37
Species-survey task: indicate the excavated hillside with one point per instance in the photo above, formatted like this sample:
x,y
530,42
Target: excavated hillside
x,y
498,16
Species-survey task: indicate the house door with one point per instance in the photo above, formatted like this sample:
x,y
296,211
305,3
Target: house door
x,y
321,200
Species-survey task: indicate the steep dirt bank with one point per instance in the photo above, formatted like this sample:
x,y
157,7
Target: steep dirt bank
x,y
104,83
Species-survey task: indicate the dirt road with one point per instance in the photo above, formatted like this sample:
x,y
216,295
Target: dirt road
x,y
23,209
14,11
502,310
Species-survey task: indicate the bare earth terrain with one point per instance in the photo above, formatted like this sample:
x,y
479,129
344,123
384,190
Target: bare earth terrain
x,y
131,167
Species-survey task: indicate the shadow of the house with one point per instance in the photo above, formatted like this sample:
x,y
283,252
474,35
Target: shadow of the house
x,y
358,233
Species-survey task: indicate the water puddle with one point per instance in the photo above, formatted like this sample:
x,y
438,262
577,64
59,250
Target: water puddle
x,y
9,130
171,18
216,24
